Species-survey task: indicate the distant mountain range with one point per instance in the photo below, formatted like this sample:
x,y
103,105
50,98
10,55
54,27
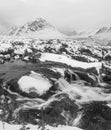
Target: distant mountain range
x,y
101,33
104,30
38,28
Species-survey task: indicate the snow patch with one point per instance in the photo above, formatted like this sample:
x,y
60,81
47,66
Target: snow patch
x,y
6,126
34,83
67,60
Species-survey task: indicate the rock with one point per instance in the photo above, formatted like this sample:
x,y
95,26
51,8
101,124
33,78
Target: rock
x,y
34,83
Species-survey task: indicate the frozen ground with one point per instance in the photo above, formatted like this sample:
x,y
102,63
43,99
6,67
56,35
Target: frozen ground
x,y
54,85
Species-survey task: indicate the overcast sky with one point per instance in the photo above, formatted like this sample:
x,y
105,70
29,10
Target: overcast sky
x,y
78,14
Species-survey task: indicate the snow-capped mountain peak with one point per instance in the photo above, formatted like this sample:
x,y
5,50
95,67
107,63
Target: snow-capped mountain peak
x,y
39,28
36,25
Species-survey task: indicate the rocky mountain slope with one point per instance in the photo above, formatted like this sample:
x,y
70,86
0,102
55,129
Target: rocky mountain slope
x,y
104,33
38,28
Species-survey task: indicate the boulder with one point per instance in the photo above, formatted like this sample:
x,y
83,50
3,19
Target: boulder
x,y
34,83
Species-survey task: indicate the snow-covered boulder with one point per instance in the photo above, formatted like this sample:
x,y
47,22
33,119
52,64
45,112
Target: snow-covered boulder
x,y
5,47
16,57
34,83
19,51
26,58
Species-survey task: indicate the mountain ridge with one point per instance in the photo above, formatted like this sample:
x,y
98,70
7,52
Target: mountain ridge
x,y
39,27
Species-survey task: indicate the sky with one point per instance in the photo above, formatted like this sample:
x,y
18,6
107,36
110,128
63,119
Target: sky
x,y
63,14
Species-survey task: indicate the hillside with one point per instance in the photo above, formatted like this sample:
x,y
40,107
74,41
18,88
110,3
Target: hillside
x,y
39,28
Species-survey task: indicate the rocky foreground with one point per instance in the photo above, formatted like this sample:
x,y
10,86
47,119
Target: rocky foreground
x,y
54,84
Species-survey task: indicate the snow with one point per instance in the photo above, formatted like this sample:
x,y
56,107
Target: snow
x,y
6,126
86,93
106,35
66,60
26,58
19,51
34,83
38,28
5,47
29,50
46,33
60,70
64,128
16,57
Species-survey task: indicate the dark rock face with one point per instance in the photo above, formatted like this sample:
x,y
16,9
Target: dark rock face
x,y
95,116
58,112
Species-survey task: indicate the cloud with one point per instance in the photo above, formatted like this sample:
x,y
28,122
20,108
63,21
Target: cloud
x,y
28,2
75,1
61,13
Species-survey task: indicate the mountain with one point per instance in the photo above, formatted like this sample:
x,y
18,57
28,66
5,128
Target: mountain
x,y
38,28
98,33
102,30
104,33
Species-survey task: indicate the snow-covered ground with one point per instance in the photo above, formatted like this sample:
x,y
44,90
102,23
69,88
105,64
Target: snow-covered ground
x,y
6,126
67,60
45,34
68,76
